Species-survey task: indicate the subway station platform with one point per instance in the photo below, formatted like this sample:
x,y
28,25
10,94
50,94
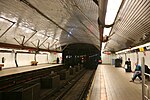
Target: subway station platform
x,y
111,83
17,70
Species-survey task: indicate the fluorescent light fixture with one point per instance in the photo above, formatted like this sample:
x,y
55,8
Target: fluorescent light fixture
x,y
21,50
14,50
103,45
6,49
68,35
106,31
43,52
137,47
112,9
140,46
123,51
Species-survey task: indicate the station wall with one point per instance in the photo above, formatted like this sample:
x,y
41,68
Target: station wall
x,y
135,57
132,56
42,58
24,59
53,56
9,59
107,59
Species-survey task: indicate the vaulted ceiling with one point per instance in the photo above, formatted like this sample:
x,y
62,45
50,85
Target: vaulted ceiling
x,y
52,24
49,24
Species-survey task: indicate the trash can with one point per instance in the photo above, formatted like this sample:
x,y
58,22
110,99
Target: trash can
x,y
117,63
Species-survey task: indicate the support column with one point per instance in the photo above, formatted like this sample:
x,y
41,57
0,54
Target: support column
x,y
143,77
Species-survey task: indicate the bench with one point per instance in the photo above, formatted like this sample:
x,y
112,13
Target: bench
x,y
34,63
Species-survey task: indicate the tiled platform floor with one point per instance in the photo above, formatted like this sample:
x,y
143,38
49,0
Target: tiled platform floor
x,y
112,83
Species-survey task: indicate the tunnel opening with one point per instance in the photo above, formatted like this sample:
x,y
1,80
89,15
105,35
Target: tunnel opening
x,y
81,54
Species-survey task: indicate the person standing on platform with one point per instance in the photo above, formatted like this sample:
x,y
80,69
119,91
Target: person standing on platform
x,y
128,65
137,72
57,60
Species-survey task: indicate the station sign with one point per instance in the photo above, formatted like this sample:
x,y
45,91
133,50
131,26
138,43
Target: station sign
x,y
141,49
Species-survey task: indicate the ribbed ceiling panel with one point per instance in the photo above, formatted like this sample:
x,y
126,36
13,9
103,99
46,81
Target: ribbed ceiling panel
x,y
131,25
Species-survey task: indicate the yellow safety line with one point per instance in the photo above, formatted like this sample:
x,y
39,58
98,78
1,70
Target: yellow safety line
x,y
103,94
90,91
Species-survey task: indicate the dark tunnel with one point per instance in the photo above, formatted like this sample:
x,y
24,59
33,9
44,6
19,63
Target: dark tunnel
x,y
80,53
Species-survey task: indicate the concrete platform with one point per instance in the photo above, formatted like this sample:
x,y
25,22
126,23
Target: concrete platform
x,y
6,72
112,83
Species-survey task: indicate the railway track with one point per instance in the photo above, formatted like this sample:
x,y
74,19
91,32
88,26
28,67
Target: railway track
x,y
77,88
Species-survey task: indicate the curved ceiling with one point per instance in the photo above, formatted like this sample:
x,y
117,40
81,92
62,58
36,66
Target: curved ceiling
x,y
132,26
51,24
48,24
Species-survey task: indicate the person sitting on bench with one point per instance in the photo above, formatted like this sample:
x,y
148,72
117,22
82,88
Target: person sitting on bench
x,y
137,72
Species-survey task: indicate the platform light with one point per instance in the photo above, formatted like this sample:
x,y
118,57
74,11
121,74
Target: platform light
x,y
5,49
123,51
70,32
13,50
106,31
68,35
112,9
140,46
42,52
21,50
134,48
103,45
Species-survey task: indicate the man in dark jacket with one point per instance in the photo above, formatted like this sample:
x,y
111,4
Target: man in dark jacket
x,y
128,65
57,60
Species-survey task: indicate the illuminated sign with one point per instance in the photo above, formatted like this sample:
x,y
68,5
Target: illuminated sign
x,y
141,49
